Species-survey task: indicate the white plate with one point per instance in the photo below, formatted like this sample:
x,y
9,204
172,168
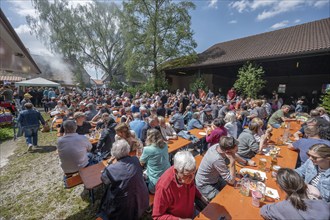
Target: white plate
x,y
272,193
202,133
262,174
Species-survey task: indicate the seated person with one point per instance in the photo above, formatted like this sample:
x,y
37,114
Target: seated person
x,y
280,116
176,190
195,122
303,145
91,111
296,205
107,137
155,157
102,122
218,167
206,116
177,120
248,146
123,132
316,170
61,107
126,195
231,124
83,127
260,131
217,133
72,149
167,132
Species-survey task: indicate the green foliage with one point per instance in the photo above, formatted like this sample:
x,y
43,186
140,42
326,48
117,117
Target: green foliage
x,y
115,84
87,34
325,99
250,81
6,133
155,31
199,83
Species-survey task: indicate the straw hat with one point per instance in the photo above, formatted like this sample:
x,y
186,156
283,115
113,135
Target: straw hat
x,y
27,95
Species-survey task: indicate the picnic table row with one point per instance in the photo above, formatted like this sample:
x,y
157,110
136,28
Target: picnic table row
x,y
231,204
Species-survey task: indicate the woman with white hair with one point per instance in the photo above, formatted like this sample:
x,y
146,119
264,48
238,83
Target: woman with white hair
x,y
126,196
231,124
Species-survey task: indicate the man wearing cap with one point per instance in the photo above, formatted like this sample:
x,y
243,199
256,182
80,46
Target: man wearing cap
x,y
83,127
30,120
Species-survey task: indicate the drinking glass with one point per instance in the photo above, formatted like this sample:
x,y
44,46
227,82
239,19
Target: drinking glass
x,y
261,187
262,164
245,186
256,197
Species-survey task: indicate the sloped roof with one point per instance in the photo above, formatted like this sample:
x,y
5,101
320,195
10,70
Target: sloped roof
x,y
304,39
37,82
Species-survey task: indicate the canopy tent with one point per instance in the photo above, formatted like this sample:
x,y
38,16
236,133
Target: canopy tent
x,y
37,82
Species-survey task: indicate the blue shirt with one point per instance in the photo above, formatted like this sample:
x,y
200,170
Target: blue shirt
x,y
194,123
135,109
29,118
177,121
137,126
305,143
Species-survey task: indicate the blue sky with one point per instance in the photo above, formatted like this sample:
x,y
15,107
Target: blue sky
x,y
213,21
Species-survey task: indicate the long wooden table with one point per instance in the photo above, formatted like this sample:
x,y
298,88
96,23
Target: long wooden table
x,y
230,204
174,145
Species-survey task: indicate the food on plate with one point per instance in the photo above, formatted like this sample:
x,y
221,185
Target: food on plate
x,y
252,175
269,192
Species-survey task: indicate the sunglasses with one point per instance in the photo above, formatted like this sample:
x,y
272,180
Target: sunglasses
x,y
312,157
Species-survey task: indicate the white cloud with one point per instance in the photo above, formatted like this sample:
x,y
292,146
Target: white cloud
x,y
23,8
232,22
213,4
321,3
23,28
281,24
297,21
272,8
240,6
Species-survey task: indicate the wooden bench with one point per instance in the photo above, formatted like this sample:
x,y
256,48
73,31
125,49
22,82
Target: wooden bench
x,y
73,181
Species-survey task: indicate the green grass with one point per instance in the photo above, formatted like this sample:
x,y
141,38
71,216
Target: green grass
x,y
31,186
6,133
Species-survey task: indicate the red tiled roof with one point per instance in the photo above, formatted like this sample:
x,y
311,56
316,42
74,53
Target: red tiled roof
x,y
308,38
11,78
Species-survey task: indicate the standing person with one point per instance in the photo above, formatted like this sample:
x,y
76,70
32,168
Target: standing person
x,y
176,190
7,93
296,204
155,157
231,94
25,100
30,120
126,195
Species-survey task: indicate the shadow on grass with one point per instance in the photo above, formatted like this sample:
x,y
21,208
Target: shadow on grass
x,y
44,149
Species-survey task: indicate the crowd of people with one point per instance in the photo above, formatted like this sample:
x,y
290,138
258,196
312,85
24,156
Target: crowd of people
x,y
236,128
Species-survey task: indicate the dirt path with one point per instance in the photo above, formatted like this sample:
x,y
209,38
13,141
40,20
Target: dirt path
x,y
7,149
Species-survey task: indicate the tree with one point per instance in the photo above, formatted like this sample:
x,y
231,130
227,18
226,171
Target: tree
x,y
250,81
86,35
326,101
199,83
155,31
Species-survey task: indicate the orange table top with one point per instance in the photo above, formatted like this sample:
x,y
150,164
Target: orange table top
x,y
233,205
174,145
196,132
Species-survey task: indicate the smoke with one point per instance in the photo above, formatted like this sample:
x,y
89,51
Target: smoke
x,y
55,68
